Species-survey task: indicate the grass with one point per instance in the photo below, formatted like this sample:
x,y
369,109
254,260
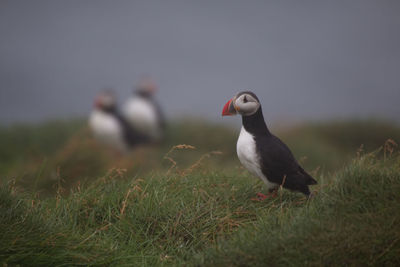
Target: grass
x,y
354,220
72,202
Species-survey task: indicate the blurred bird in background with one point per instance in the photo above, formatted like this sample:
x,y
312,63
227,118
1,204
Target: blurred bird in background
x,y
110,127
144,113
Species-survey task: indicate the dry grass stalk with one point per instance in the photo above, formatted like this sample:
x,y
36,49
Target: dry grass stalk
x,y
199,161
122,211
389,146
105,227
173,162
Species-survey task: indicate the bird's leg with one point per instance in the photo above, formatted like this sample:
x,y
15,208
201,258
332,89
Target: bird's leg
x,y
273,192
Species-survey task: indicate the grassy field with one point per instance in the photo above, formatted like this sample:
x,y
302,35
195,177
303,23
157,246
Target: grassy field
x,y
65,200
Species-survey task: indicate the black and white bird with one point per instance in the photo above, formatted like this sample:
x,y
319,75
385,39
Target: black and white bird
x,y
262,153
144,113
110,127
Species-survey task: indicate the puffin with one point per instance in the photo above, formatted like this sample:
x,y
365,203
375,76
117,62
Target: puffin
x,y
262,153
144,113
110,127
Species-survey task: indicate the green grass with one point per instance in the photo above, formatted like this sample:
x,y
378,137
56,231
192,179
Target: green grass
x,y
354,220
72,202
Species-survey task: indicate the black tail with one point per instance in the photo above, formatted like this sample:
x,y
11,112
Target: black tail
x,y
308,179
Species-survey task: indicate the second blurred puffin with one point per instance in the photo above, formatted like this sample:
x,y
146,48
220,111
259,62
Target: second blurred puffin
x,y
143,112
110,127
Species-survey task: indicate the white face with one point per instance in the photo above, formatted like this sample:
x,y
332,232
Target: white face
x,y
246,104
105,100
108,100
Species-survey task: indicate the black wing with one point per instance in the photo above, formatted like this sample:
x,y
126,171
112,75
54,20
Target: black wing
x,y
160,114
131,136
278,163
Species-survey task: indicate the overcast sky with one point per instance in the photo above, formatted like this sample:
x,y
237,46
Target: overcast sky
x,y
305,60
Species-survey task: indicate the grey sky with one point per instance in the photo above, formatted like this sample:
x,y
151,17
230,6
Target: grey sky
x,y
304,59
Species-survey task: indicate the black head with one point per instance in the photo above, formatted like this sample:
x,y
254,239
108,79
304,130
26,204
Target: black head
x,y
146,87
105,101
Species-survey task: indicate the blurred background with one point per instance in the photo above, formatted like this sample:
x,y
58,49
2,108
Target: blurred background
x,y
306,61
77,187
327,74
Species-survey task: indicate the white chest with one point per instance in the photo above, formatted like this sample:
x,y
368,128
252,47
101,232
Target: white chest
x,y
143,116
107,129
247,153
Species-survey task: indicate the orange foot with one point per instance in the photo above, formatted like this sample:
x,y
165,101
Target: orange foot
x,y
262,197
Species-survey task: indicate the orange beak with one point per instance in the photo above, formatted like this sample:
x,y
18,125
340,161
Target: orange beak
x,y
229,109
97,103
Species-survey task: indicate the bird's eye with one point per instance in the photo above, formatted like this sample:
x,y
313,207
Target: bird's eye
x,y
244,99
